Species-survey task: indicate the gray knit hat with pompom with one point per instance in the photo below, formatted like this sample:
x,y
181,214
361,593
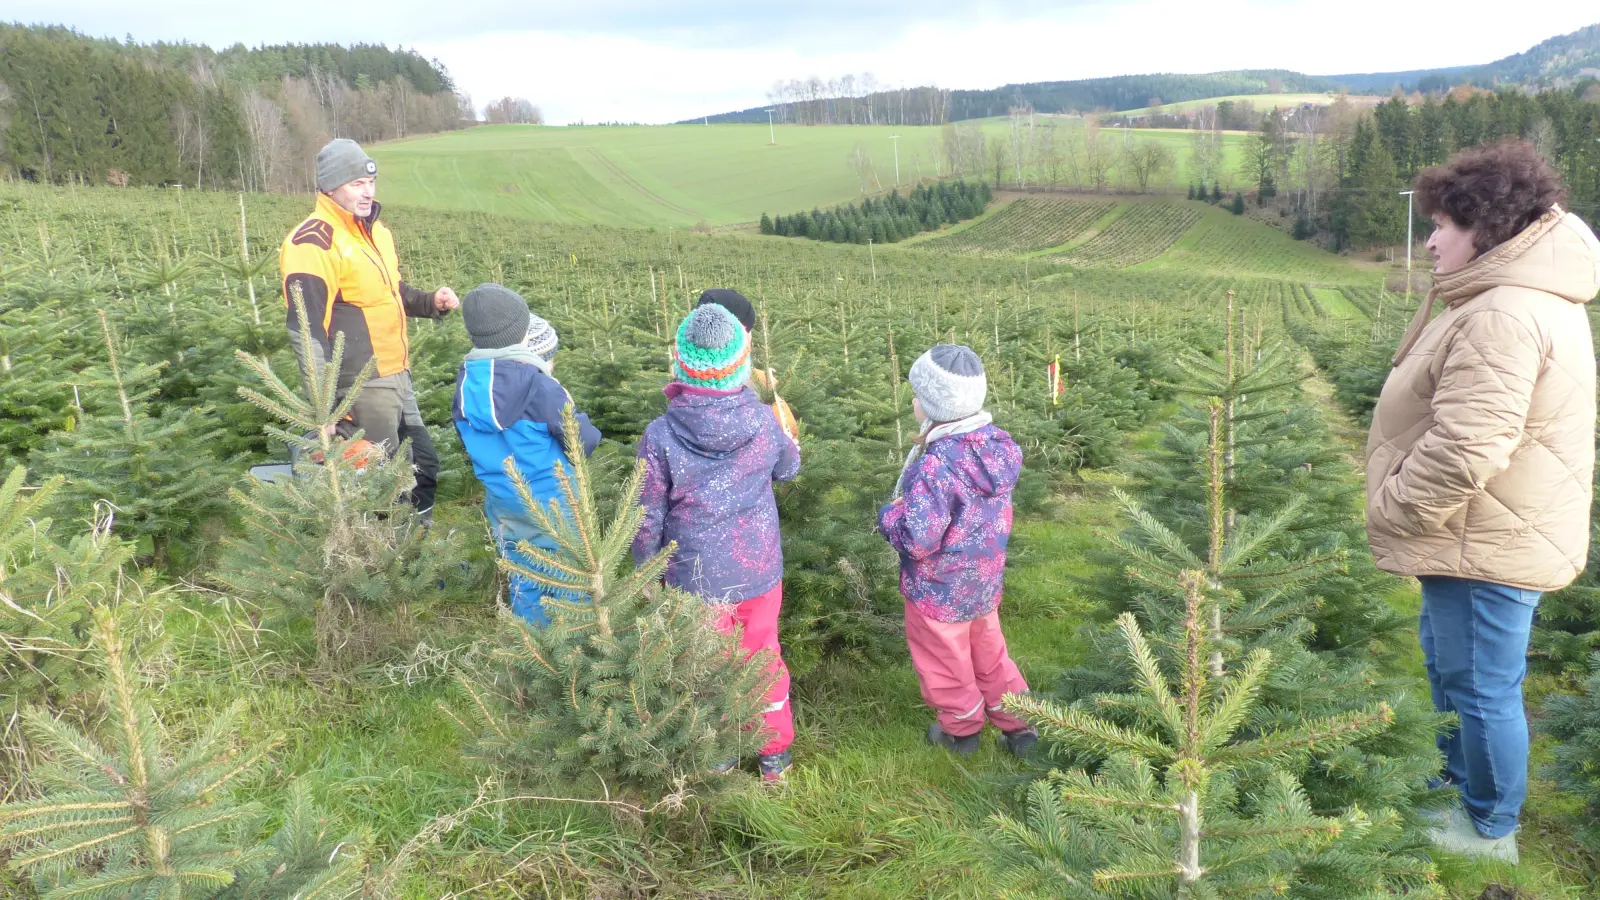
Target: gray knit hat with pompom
x,y
950,383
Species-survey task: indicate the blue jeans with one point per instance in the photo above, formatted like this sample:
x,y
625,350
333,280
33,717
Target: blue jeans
x,y
1475,643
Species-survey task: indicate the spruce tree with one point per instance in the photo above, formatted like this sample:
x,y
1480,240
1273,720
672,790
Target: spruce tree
x,y
766,224
156,469
337,547
1573,721
48,591
1238,204
1216,192
308,860
153,819
36,355
1229,504
629,681
1191,800
131,815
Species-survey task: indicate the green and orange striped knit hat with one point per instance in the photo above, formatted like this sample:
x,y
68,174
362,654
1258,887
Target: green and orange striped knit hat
x,y
713,350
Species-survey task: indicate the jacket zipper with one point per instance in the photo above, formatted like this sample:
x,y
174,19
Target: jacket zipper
x,y
405,331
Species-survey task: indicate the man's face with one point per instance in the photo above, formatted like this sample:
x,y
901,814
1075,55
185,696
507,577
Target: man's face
x,y
356,197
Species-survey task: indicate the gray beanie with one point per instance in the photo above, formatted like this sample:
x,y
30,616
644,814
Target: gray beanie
x,y
950,383
341,161
495,316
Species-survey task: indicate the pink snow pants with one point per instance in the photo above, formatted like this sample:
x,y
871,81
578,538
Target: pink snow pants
x,y
964,670
759,616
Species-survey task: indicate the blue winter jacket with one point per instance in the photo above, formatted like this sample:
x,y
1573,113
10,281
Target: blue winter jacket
x,y
507,408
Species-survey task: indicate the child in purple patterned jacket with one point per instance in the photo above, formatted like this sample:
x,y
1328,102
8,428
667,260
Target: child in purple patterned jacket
x,y
950,520
709,467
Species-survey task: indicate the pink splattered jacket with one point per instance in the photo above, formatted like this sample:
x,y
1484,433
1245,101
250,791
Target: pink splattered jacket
x,y
953,522
709,467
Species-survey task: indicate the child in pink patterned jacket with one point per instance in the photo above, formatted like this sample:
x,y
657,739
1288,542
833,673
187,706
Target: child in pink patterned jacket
x,y
950,520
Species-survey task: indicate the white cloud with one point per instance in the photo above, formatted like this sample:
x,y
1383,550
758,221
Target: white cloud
x,y
655,61
604,77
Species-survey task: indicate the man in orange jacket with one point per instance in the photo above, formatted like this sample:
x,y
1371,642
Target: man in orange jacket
x,y
343,261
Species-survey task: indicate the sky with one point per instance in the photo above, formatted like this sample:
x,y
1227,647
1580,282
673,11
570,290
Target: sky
x,y
636,61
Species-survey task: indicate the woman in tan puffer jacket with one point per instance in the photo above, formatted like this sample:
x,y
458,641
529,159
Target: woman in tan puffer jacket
x,y
1481,456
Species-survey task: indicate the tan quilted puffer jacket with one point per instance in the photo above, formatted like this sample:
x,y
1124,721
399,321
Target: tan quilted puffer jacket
x,y
1481,456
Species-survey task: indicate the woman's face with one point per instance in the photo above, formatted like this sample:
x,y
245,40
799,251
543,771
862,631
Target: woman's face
x,y
916,410
1451,245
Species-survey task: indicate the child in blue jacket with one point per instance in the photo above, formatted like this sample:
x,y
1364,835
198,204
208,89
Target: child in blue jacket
x,y
508,404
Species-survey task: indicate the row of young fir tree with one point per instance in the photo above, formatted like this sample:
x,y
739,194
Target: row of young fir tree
x,y
1215,197
888,219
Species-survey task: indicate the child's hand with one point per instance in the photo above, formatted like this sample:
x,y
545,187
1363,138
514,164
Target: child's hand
x,y
884,511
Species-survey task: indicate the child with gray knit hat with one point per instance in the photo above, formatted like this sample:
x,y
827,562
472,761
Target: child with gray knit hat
x,y
508,411
950,521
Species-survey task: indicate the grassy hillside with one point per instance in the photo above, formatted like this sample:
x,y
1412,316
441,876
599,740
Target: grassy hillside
x,y
1181,238
1261,102
1223,244
680,175
644,175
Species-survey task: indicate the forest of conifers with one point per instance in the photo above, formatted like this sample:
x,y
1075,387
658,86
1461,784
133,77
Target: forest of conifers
x,y
73,108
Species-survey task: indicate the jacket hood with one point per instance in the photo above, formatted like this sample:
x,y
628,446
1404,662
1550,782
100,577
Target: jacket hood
x,y
1558,255
715,424
987,459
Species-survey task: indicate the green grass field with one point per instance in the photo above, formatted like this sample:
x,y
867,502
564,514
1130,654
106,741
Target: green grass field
x,y
686,175
1262,102
666,175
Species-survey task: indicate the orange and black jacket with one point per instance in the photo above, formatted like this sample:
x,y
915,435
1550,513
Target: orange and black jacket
x,y
347,272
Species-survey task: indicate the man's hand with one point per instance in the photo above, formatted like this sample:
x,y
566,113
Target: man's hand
x,y
445,300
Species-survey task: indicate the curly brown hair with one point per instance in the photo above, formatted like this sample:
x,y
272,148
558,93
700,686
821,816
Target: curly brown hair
x,y
1497,189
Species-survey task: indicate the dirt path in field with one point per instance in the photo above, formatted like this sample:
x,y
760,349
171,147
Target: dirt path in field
x,y
1352,436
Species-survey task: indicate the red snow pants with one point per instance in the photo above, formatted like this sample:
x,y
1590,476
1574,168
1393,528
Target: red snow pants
x,y
964,670
759,616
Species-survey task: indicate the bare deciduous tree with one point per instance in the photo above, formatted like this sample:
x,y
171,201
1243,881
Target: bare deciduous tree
x,y
513,111
1049,154
1146,161
1098,159
862,166
1205,145
998,153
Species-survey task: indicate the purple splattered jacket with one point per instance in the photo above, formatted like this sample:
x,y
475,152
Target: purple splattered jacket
x,y
709,467
953,524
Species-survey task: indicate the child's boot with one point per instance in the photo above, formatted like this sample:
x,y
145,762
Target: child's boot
x,y
960,746
1020,742
774,765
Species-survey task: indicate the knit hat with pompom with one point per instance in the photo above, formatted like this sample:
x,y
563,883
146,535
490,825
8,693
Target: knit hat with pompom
x,y
949,382
713,350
